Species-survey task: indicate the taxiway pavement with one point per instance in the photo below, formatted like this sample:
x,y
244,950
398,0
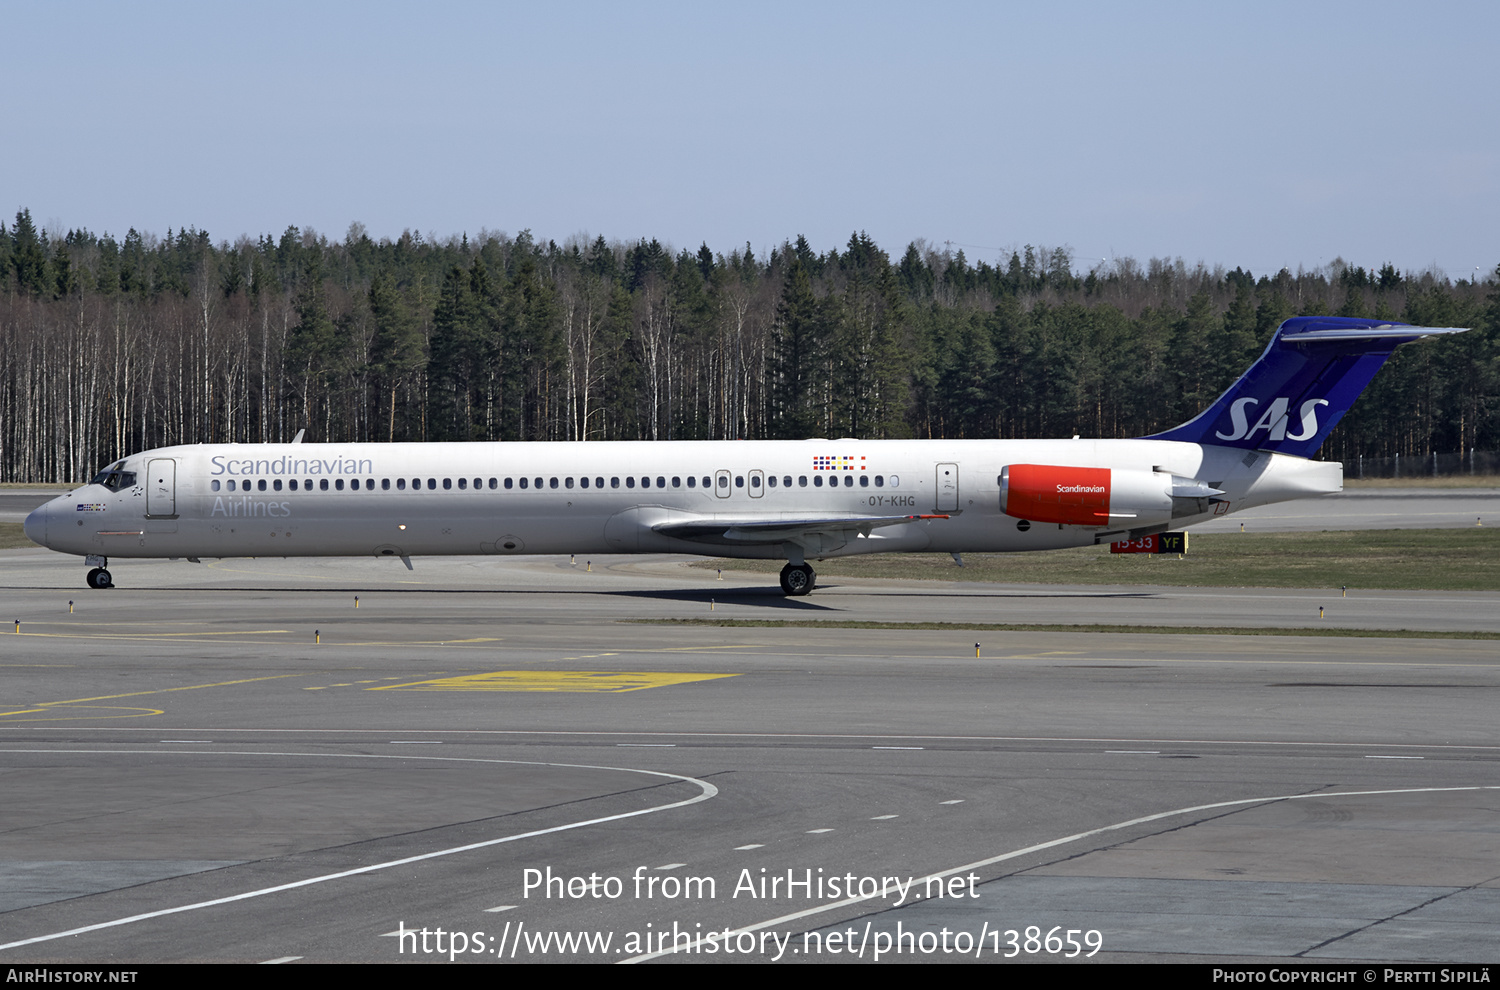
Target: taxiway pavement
x,y
190,776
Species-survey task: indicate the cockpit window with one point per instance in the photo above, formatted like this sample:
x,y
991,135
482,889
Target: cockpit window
x,y
114,479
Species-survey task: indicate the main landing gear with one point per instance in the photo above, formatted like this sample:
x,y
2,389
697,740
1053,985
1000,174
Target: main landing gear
x,y
797,579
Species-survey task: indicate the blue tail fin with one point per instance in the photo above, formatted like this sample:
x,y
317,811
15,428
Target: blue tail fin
x,y
1293,396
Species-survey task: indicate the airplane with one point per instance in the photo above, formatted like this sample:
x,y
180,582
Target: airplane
x,y
797,500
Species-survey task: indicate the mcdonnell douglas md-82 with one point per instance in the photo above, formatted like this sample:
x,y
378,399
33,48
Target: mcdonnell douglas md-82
x,y
782,499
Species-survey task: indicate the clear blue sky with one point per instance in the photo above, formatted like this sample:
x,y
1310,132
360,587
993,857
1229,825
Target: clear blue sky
x,y
1260,135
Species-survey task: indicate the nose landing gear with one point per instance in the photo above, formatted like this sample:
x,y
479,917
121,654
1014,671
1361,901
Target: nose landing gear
x,y
797,579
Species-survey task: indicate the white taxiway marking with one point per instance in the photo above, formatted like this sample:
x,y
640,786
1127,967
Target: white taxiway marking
x,y
1134,752
1369,757
497,910
753,845
818,831
898,747
671,866
954,801
283,959
708,791
416,742
881,818
1040,846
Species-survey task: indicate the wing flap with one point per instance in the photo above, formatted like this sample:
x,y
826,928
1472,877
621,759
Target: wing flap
x,y
760,530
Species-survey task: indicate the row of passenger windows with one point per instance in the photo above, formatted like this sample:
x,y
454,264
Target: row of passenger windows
x,y
463,484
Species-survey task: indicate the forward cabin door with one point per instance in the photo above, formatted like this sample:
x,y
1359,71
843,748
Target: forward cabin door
x,y
161,488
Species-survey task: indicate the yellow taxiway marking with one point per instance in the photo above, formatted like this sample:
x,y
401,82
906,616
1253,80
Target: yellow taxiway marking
x,y
143,637
43,706
420,642
185,687
60,714
570,681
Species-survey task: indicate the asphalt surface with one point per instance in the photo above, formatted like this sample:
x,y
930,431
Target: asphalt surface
x,y
231,762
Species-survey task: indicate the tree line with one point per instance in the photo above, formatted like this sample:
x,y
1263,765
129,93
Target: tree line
x,y
109,346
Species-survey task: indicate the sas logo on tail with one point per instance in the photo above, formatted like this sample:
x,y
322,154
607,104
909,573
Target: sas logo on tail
x,y
1273,420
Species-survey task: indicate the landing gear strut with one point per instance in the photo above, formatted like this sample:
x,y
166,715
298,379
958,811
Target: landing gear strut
x,y
99,578
797,579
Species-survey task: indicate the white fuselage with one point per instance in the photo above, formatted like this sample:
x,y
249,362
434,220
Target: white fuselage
x,y
402,500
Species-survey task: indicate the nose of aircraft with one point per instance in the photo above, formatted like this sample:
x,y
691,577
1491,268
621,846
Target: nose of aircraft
x,y
36,524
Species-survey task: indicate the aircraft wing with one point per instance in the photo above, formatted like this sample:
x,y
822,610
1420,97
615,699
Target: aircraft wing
x,y
752,530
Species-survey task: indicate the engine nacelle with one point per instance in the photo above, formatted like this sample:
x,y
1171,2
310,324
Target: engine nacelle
x,y
1084,496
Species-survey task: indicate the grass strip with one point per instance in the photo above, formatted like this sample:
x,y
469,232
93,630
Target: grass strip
x,y
1394,559
13,536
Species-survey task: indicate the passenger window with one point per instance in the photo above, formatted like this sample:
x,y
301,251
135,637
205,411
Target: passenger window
x,y
292,484
276,484
771,480
448,484
478,483
706,483
432,484
848,481
676,482
645,482
322,484
523,482
567,482
723,481
538,482
880,481
507,483
614,482
661,482
864,481
338,483
629,482
495,483
583,482
755,481
786,481
385,484
231,484
400,484
692,482
215,485
801,481
739,481
598,482
554,482
463,484
817,481
895,481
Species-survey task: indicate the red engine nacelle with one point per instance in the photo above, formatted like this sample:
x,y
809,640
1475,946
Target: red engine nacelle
x,y
1084,496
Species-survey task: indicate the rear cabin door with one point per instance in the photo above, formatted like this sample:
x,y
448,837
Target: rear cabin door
x,y
947,488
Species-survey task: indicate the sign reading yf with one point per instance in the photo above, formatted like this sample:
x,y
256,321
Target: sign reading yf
x,y
1273,420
